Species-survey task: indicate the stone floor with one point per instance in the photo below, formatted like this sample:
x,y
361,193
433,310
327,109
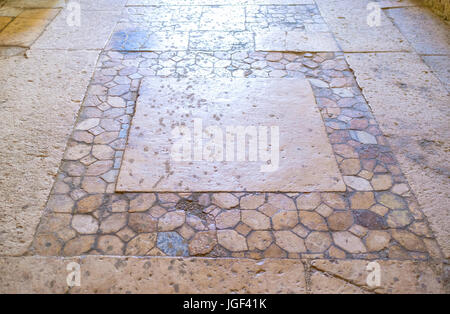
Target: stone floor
x,y
379,212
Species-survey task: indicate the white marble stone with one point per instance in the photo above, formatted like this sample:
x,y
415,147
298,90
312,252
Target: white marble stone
x,y
306,162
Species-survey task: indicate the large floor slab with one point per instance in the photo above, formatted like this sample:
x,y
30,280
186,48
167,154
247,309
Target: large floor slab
x,y
39,97
426,32
348,20
299,41
203,275
413,112
306,162
93,31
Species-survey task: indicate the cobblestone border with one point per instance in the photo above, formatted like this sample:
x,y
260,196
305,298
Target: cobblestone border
x,y
376,218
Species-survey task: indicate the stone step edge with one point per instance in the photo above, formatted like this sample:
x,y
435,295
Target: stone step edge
x,y
109,274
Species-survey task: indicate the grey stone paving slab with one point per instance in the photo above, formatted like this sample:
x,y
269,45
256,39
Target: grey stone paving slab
x,y
254,18
223,19
168,16
440,65
93,31
305,160
134,37
347,19
9,11
153,275
221,275
301,17
425,31
413,113
220,41
280,40
38,108
4,20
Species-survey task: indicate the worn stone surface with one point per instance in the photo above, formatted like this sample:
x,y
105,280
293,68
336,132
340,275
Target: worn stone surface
x,y
313,221
142,202
171,174
228,219
32,150
252,201
439,66
100,274
348,21
142,222
308,201
259,240
417,140
202,243
93,32
396,276
374,217
113,223
171,221
318,242
406,18
340,221
282,40
285,219
120,76
141,245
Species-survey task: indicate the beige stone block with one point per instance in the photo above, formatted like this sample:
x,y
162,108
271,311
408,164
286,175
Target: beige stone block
x,y
93,32
41,14
439,66
306,160
280,40
22,32
32,150
151,275
396,276
4,20
431,37
348,20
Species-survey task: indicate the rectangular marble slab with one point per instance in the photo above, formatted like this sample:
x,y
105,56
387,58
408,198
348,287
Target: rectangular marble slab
x,y
295,40
167,106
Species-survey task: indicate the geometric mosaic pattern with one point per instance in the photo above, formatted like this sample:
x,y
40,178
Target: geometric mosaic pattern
x,y
377,217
